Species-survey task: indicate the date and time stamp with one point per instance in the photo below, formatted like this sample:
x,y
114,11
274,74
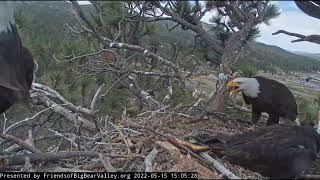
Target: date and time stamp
x,y
167,175
100,175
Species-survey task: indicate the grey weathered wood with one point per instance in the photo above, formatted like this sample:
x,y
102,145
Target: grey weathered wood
x,y
149,159
223,170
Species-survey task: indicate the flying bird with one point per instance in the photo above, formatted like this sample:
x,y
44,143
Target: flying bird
x,y
276,151
17,67
265,95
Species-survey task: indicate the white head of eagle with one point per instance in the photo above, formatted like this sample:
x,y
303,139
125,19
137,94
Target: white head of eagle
x,y
265,95
17,67
248,86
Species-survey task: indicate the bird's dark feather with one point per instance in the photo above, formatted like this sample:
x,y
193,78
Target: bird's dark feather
x,y
275,99
277,151
16,69
246,99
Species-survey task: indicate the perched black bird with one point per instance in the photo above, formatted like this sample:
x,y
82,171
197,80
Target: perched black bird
x,y
276,151
16,62
265,95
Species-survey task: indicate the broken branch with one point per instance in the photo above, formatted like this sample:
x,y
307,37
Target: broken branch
x,y
223,170
149,159
21,143
34,157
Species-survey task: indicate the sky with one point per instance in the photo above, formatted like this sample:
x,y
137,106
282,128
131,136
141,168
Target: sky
x,y
291,19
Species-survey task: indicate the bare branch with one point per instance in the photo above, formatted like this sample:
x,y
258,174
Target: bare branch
x,y
154,19
60,169
214,43
290,34
144,96
83,17
87,55
310,38
146,73
67,138
49,91
72,117
113,84
21,143
95,98
219,166
25,120
35,157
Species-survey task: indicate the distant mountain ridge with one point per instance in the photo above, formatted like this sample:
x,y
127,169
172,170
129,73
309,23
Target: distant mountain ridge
x,y
312,55
266,56
49,15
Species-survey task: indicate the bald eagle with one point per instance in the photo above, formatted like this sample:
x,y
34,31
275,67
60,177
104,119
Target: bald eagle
x,y
276,151
16,62
265,95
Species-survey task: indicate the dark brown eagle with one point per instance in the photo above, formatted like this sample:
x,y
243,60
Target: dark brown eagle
x,y
265,95
276,151
16,62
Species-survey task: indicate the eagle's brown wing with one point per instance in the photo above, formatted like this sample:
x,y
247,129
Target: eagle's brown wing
x,y
16,63
275,151
9,75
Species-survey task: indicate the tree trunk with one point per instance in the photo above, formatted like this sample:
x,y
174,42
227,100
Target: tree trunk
x,y
230,54
217,102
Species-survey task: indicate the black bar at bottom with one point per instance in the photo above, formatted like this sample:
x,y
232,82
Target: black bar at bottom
x,y
99,175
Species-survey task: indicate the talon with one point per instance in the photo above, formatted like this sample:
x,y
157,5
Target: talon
x,y
196,148
193,147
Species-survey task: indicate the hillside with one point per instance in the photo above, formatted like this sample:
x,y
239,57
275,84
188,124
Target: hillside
x,y
50,19
265,56
312,55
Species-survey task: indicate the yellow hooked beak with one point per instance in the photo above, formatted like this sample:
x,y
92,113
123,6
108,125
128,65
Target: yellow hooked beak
x,y
233,87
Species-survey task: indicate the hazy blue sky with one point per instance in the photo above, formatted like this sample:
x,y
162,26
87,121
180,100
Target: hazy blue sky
x,y
291,19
